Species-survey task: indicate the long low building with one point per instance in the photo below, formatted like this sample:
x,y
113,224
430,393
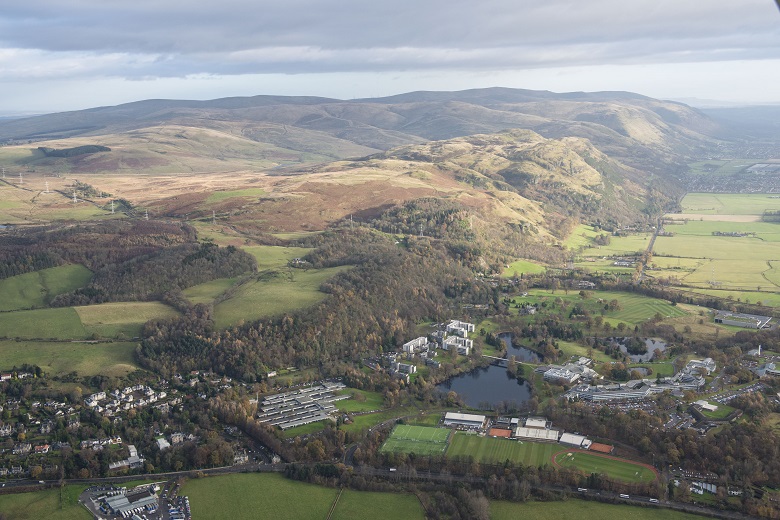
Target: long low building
x,y
576,441
537,434
464,419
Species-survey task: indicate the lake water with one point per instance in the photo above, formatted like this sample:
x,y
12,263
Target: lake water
x,y
652,345
520,353
490,385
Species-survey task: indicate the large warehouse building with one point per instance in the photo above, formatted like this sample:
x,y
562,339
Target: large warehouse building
x,y
464,420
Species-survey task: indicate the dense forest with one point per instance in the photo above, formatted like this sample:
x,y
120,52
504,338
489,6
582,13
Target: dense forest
x,y
370,308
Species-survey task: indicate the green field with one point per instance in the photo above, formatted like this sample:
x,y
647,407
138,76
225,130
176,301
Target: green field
x,y
207,292
58,358
273,293
420,440
634,308
274,257
244,496
121,319
581,510
728,203
616,469
362,401
492,450
219,196
367,504
49,504
60,323
522,267
36,289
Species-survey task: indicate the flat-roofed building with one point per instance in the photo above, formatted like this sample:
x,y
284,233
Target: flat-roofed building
x,y
537,434
414,345
460,328
576,441
561,375
464,419
536,422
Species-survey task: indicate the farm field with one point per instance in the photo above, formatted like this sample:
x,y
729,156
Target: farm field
x,y
522,267
273,257
219,196
490,450
729,203
582,236
207,292
59,358
581,510
368,504
36,289
724,167
273,293
767,298
45,504
121,319
241,496
420,440
768,231
618,469
59,323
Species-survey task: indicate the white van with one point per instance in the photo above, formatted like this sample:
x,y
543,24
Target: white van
x,y
624,496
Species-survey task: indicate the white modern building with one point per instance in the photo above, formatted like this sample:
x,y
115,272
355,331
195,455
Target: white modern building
x,y
464,420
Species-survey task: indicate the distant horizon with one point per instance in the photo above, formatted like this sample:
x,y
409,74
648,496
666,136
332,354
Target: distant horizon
x,y
690,101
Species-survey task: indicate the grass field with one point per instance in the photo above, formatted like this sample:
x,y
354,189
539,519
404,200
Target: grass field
x,y
121,319
581,510
367,504
207,292
634,308
60,323
219,196
573,349
274,257
273,293
617,469
522,267
49,504
36,289
728,203
244,496
490,450
363,401
420,440
58,358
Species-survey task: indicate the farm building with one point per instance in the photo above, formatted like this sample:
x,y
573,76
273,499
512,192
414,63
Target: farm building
x,y
464,419
537,434
576,441
748,321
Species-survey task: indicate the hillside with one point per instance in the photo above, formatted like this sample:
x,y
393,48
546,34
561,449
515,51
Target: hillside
x,y
265,131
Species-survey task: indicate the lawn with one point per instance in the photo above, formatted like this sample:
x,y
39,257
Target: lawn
x,y
420,440
368,504
122,319
59,323
362,401
49,504
522,267
254,495
36,289
581,510
617,469
574,349
58,358
722,412
272,293
492,450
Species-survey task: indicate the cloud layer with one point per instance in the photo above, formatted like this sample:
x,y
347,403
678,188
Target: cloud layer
x,y
51,40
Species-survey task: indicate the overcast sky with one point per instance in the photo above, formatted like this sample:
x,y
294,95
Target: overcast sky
x,y
60,55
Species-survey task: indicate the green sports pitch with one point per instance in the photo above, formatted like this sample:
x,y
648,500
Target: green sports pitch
x,y
617,469
491,450
420,440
